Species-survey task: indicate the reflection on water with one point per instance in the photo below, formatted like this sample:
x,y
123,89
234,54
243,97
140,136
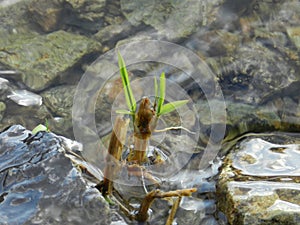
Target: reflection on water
x,y
261,158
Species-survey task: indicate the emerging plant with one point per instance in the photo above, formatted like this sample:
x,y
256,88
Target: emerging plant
x,y
144,120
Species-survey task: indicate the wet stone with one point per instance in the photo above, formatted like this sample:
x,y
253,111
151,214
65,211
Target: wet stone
x,y
80,15
39,183
171,19
278,114
259,181
59,99
43,59
253,74
112,33
14,18
27,116
47,14
20,106
87,15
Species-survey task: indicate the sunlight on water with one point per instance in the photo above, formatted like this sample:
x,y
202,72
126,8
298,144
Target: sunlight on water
x,y
261,158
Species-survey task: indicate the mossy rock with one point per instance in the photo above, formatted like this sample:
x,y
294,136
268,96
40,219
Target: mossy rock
x,y
43,59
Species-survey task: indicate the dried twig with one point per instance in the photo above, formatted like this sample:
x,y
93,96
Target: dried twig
x,y
173,211
142,214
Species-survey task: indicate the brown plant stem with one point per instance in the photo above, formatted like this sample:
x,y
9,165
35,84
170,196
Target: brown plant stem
x,y
138,155
142,131
113,157
142,214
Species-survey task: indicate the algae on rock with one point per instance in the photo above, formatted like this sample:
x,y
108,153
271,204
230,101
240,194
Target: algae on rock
x,y
44,59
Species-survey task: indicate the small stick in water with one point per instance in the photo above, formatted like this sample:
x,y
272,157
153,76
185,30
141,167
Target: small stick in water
x,y
142,214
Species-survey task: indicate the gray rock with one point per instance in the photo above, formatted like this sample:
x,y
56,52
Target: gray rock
x,y
44,59
112,33
81,15
258,183
38,178
28,116
14,19
171,19
25,98
278,114
20,106
47,14
59,100
254,73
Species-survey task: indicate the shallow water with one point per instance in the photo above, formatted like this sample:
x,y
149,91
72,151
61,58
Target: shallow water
x,y
261,158
236,61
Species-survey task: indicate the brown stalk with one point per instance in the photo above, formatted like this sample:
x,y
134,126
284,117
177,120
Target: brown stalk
x,y
142,131
113,157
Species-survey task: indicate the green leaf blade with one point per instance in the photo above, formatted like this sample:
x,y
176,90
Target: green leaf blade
x,y
162,92
130,100
171,106
39,128
155,88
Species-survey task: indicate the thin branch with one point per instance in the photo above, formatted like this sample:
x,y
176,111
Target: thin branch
x,y
175,128
173,211
142,214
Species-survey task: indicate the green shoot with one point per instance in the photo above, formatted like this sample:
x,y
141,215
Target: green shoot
x,y
162,91
39,128
47,125
159,98
171,106
131,103
155,92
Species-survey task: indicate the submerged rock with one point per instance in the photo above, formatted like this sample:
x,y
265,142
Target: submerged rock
x,y
259,181
47,14
278,114
20,106
39,183
253,73
171,19
59,99
53,15
14,18
44,59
